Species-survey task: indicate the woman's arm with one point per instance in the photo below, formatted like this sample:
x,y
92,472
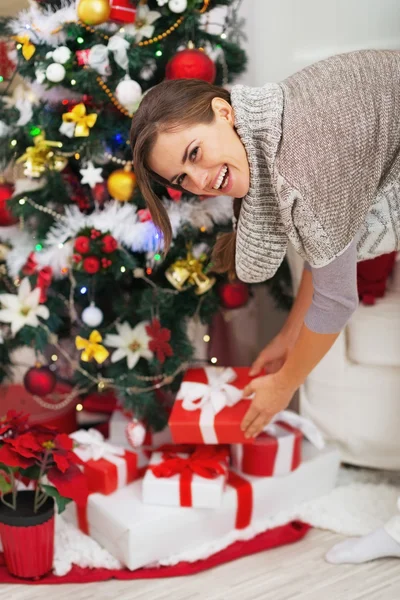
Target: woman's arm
x,y
334,299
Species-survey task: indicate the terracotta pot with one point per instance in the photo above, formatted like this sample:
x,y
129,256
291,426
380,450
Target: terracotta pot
x,y
27,537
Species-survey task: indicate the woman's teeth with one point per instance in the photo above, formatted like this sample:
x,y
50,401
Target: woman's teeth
x,y
220,181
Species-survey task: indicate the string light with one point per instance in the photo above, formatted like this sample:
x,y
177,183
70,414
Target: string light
x,y
223,36
101,386
159,53
13,142
1,78
83,290
34,131
79,407
157,257
61,245
54,357
214,360
64,270
202,229
123,269
80,40
77,155
73,81
38,247
206,338
22,201
64,102
149,270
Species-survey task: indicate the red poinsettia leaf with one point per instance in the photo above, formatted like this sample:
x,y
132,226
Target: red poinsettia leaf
x,y
61,461
71,484
25,445
10,458
63,441
165,335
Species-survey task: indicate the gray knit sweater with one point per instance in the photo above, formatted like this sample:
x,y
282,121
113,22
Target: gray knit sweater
x,y
324,154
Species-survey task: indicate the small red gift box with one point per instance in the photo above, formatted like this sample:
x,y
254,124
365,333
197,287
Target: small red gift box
x,y
197,479
210,407
122,11
276,451
106,467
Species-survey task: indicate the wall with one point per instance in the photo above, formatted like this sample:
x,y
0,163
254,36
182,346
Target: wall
x,y
286,35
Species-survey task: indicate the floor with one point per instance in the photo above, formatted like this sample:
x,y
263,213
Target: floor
x,y
292,572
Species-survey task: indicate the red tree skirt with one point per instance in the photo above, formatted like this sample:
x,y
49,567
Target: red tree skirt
x,y
287,534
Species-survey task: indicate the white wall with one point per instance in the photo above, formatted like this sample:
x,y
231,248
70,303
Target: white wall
x,y
286,35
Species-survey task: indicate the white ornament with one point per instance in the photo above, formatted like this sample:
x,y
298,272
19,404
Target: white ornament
x,y
129,94
92,316
62,54
55,73
91,175
161,2
177,6
135,433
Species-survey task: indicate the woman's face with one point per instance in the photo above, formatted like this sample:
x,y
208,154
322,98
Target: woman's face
x,y
204,159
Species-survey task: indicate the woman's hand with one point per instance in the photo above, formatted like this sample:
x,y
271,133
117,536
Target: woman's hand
x,y
271,396
273,356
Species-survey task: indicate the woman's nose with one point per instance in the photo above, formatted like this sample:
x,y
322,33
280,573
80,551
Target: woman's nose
x,y
199,177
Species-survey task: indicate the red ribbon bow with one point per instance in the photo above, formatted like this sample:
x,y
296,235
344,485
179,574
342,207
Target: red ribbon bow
x,y
207,462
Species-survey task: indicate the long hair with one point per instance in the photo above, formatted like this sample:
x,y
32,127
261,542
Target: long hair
x,y
167,106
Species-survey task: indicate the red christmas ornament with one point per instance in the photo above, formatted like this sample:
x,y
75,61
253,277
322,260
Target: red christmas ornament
x,y
234,295
91,265
122,11
82,244
40,381
191,64
6,218
109,244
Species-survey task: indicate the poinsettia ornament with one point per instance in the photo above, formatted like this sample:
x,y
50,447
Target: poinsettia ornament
x,y
159,342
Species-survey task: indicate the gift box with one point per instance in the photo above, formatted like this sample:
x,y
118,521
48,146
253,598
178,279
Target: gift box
x,y
210,407
106,467
122,11
139,534
187,479
276,451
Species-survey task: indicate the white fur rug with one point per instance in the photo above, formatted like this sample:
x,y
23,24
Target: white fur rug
x,y
362,501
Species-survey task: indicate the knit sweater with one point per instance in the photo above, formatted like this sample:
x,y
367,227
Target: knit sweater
x,y
324,154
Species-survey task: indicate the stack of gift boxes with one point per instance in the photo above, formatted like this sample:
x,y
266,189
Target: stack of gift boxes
x,y
199,485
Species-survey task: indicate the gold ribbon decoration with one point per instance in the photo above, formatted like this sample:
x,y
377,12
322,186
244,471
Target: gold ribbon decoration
x,y
41,156
28,48
83,122
92,348
190,271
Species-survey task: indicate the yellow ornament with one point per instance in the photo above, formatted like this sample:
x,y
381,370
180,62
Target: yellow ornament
x,y
28,49
121,184
94,12
41,156
190,271
92,348
83,122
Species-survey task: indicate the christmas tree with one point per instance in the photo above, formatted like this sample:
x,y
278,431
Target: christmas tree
x,y
82,278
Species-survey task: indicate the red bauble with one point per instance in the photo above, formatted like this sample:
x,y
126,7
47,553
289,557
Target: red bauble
x,y
40,381
6,218
234,295
82,244
191,64
91,265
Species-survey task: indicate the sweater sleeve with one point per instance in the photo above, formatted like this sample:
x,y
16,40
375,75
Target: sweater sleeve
x,y
335,293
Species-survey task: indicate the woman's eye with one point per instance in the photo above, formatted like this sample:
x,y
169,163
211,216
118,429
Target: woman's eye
x,y
193,154
181,179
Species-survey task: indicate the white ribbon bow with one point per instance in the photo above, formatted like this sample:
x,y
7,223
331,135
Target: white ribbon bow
x,y
98,59
92,445
307,427
217,393
119,46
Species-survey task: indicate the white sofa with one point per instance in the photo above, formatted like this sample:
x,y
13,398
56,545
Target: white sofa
x,y
353,395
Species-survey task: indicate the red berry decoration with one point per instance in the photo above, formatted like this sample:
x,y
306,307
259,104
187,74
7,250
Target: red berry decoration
x,y
6,218
76,258
234,295
105,263
91,265
82,244
191,64
109,244
94,234
40,381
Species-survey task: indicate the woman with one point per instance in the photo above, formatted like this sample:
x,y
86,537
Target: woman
x,y
314,161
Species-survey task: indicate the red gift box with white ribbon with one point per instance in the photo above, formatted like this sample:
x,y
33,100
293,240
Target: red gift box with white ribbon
x,y
106,467
277,450
210,407
197,479
122,11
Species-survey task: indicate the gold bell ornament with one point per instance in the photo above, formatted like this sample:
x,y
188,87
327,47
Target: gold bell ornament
x,y
94,12
121,184
190,271
41,156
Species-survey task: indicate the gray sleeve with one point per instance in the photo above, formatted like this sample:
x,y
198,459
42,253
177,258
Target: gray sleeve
x,y
335,295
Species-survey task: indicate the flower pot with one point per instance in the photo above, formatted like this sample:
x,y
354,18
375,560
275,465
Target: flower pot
x,y
27,538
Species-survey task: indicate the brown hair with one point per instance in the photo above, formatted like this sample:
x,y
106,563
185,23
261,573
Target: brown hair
x,y
172,104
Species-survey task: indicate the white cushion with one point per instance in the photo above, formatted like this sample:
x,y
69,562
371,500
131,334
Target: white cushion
x,y
373,333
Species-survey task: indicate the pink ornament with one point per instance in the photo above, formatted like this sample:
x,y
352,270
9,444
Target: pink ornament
x,y
82,56
135,433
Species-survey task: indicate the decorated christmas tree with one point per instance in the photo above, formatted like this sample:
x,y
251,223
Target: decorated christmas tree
x,y
82,278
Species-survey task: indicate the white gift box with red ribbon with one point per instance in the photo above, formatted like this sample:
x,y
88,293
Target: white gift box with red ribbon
x,y
140,534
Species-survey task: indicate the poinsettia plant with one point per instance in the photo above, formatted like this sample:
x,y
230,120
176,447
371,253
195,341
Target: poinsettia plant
x,y
38,454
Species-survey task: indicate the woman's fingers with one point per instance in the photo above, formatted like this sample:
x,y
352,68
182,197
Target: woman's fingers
x,y
257,425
